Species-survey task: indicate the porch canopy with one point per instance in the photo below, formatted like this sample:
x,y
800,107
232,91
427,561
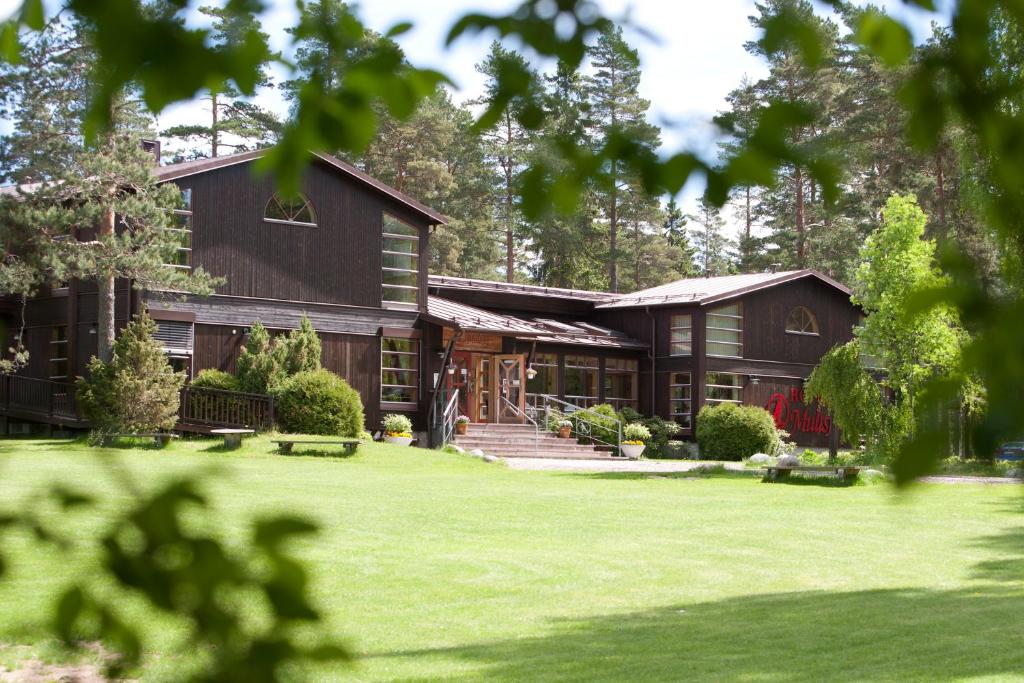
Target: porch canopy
x,y
526,328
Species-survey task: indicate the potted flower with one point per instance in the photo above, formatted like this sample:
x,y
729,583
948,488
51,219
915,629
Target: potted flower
x,y
461,424
565,429
636,436
397,429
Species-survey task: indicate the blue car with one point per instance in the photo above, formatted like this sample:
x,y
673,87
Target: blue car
x,y
1013,450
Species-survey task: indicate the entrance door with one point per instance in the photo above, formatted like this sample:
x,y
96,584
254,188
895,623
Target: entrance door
x,y
509,386
481,389
463,381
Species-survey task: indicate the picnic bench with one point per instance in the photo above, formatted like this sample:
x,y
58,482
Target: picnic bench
x,y
285,445
232,437
161,438
840,472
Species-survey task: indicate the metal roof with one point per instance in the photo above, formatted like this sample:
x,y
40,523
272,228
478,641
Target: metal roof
x,y
448,282
187,168
711,289
472,319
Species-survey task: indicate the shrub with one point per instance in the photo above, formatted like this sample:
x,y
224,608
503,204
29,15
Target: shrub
x,y
138,391
731,432
397,425
661,430
300,350
259,369
636,433
603,422
215,379
319,402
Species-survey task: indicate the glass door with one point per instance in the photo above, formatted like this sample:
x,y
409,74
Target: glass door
x,y
509,385
481,391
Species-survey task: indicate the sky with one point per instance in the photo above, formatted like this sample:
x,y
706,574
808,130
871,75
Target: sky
x,y
693,60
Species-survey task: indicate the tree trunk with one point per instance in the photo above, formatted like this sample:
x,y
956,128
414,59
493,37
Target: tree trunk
x,y
105,298
613,229
214,133
798,182
940,189
510,246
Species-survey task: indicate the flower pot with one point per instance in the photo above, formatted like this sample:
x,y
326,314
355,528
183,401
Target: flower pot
x,y
633,451
461,427
399,440
564,432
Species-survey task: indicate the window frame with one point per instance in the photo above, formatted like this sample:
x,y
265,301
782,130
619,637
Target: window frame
x,y
306,203
59,340
672,327
810,316
633,370
414,371
688,398
415,255
186,195
588,401
738,387
737,330
538,362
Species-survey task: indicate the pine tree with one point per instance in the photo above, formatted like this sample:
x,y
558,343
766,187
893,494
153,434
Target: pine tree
x,y
713,247
258,368
507,143
617,109
300,351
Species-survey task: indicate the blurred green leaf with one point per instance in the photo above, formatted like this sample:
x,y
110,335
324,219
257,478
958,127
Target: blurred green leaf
x,y
885,37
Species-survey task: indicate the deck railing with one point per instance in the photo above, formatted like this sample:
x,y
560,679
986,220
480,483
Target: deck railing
x,y
219,408
42,397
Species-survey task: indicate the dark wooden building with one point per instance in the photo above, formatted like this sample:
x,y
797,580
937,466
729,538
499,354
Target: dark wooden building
x,y
351,254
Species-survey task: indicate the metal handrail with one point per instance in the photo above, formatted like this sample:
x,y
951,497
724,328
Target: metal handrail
x,y
448,417
581,425
525,416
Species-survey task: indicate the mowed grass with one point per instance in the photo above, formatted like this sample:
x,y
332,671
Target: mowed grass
x,y
433,566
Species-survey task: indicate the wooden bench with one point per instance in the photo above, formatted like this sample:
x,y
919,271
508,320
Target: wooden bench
x,y
233,437
840,472
161,438
285,445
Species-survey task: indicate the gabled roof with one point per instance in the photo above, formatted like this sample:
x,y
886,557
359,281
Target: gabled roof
x,y
448,282
188,168
471,319
711,289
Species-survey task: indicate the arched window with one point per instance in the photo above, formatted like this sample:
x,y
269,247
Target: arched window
x,y
801,321
294,211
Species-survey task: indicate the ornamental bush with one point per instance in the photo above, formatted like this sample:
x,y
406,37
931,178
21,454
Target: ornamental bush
x,y
731,432
602,419
319,402
138,390
215,379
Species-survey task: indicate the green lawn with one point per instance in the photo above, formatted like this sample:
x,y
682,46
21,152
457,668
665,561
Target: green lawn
x,y
438,567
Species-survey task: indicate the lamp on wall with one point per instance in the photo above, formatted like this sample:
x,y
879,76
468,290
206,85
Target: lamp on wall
x,y
753,380
530,372
92,328
451,369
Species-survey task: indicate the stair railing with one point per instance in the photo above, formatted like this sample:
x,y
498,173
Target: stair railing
x,y
526,417
584,427
448,417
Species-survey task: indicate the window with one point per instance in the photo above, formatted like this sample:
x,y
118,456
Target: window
x,y
621,377
581,380
400,263
182,232
681,341
802,321
725,331
723,387
399,370
294,211
546,379
680,395
58,353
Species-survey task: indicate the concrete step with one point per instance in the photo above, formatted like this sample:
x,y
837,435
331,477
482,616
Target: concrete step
x,y
545,443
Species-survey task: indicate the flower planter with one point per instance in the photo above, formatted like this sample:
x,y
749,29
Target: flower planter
x,y
564,432
461,427
399,440
632,451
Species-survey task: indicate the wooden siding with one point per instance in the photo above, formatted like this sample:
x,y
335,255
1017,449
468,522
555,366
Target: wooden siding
x,y
338,261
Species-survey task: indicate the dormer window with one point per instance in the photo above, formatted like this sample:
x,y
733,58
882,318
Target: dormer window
x,y
294,211
802,321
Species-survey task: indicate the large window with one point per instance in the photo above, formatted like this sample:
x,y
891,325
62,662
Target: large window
x,y
183,232
680,399
546,379
581,380
399,370
59,353
723,387
400,263
681,343
297,210
802,321
725,331
621,377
